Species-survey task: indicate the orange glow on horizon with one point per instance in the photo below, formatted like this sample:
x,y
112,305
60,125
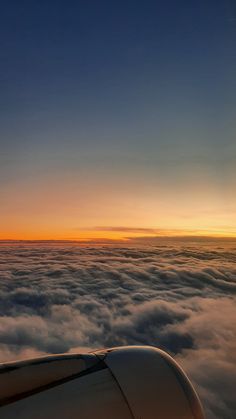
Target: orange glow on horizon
x,y
70,208
90,235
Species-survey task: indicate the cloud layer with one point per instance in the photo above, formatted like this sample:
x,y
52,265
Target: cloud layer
x,y
179,296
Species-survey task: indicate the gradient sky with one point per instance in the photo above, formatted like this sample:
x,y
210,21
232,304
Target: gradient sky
x,y
117,116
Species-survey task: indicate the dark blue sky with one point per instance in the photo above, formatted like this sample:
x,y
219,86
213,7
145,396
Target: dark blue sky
x,y
141,89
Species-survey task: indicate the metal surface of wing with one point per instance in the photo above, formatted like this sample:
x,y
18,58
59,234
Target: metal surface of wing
x,y
120,383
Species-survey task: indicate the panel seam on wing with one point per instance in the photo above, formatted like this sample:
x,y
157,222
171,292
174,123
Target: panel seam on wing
x,y
12,399
120,388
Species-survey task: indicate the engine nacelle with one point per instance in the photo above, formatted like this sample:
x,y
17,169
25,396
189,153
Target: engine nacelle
x,y
132,382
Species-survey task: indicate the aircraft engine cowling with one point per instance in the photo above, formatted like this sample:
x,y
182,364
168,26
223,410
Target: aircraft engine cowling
x,y
131,382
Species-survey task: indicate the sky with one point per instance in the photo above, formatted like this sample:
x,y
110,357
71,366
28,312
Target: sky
x,y
117,119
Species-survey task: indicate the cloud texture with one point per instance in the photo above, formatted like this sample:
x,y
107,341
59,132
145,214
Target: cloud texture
x,y
180,297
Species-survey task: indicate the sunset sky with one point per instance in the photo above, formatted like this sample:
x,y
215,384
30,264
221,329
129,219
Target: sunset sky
x,y
117,119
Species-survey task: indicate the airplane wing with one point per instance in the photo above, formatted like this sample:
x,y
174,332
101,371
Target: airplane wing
x,y
132,382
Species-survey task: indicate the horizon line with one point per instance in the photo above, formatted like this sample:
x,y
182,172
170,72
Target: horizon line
x,y
125,239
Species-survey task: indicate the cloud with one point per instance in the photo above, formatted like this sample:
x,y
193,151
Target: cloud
x,y
178,296
124,229
155,235
212,362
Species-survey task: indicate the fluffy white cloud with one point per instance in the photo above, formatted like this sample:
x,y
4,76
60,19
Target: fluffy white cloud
x,y
178,297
